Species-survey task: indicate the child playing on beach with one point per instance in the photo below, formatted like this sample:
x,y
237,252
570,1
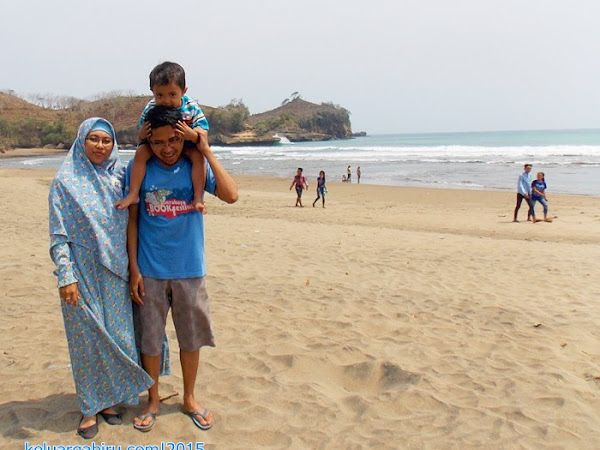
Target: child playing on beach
x,y
538,188
300,182
167,83
321,189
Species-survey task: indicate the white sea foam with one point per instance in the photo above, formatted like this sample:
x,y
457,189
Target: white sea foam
x,y
466,160
35,161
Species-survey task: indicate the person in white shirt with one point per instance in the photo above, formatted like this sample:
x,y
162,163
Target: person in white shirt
x,y
524,191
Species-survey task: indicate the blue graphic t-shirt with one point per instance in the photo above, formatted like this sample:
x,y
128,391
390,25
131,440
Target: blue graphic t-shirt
x,y
170,230
540,186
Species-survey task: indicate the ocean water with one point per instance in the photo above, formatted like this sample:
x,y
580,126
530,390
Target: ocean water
x,y
570,159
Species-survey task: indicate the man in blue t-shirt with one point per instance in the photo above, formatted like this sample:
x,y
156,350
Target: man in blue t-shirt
x,y
165,241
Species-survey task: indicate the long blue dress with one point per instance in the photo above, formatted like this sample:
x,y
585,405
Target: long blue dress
x,y
88,245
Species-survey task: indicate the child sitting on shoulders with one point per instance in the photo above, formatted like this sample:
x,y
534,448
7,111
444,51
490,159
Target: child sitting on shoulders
x,y
167,83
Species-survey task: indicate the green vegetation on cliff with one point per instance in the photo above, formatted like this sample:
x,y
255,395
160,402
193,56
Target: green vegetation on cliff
x,y
24,124
299,120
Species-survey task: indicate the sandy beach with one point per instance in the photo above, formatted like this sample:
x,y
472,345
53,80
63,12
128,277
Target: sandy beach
x,y
393,318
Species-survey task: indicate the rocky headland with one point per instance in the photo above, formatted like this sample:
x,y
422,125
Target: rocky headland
x,y
26,124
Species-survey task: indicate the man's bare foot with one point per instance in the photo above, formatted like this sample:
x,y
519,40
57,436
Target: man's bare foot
x,y
130,199
537,220
515,221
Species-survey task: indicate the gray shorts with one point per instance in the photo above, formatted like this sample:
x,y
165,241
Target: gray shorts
x,y
189,303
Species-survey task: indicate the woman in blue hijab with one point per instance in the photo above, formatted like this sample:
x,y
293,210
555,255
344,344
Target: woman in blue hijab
x,y
88,245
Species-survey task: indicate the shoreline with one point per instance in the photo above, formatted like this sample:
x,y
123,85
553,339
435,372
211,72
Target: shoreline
x,y
27,152
37,152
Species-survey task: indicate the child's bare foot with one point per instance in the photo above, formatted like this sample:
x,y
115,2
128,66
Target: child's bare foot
x,y
199,205
130,199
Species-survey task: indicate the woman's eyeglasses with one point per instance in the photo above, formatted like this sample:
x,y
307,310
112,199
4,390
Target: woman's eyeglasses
x,y
106,142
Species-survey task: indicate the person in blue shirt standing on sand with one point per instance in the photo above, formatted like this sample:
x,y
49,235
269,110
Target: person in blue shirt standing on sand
x,y
88,246
524,192
167,268
539,195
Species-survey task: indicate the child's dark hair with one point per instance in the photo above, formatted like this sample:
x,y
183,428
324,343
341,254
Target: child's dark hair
x,y
167,72
160,116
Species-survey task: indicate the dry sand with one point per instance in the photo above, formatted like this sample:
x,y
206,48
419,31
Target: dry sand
x,y
394,318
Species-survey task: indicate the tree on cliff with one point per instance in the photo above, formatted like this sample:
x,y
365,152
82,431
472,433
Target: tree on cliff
x,y
230,118
293,96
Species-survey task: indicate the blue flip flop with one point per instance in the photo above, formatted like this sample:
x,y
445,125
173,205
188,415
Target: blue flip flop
x,y
202,414
143,417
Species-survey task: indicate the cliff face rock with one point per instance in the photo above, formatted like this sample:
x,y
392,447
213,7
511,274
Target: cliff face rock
x,y
298,135
23,124
300,120
248,137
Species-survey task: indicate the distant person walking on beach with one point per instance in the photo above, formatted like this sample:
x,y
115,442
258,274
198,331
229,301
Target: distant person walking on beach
x,y
524,191
300,183
349,172
88,245
321,190
358,172
538,194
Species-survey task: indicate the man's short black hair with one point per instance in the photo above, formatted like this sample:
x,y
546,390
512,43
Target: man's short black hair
x,y
166,72
159,116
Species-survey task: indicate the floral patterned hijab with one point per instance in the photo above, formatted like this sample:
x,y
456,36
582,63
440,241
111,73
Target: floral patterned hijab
x,y
82,202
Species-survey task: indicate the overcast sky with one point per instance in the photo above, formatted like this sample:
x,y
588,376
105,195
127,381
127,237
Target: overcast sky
x,y
397,66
